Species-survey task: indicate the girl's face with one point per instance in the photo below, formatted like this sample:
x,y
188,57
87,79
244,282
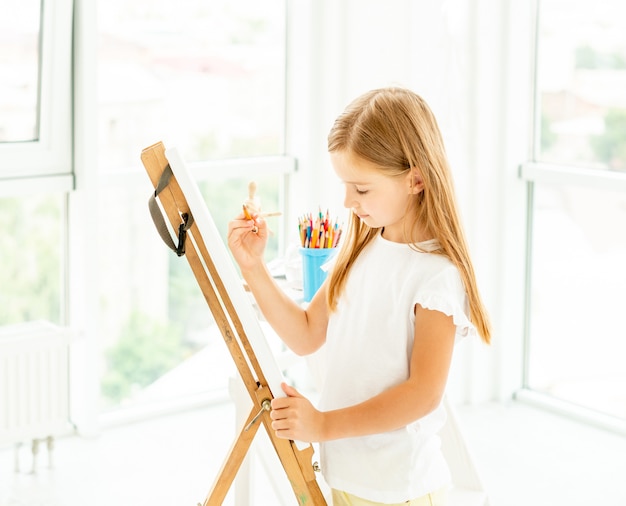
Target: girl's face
x,y
377,199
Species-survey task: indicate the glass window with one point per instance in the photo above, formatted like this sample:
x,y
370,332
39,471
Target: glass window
x,y
157,334
578,296
19,70
159,339
577,291
581,81
206,77
31,239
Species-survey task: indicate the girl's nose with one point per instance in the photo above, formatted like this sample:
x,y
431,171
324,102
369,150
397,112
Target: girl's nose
x,y
348,200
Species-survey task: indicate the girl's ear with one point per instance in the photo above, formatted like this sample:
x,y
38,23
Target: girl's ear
x,y
416,181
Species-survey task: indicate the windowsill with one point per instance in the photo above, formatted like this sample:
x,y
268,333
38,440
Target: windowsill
x,y
571,411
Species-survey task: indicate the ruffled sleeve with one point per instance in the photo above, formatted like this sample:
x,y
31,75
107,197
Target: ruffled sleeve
x,y
445,292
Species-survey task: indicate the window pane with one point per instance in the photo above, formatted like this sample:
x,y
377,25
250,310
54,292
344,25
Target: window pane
x,y
206,77
582,83
19,70
31,238
158,336
578,341
159,339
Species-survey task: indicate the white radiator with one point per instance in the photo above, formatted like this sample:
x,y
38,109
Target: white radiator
x,y
34,382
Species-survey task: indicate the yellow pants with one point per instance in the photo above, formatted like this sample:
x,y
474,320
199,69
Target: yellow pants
x,y
437,498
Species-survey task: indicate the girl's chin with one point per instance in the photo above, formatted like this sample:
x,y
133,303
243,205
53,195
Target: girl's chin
x,y
367,220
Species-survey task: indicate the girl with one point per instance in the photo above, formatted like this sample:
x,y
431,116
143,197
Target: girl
x,y
401,292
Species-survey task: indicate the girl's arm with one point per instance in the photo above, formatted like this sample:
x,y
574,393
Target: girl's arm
x,y
303,331
295,418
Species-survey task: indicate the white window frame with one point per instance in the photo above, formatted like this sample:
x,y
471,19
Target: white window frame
x,y
47,160
532,172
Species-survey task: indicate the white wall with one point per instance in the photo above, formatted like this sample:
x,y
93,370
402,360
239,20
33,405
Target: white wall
x,y
470,61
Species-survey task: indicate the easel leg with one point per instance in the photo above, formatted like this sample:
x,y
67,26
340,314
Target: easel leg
x,y
241,399
259,458
232,463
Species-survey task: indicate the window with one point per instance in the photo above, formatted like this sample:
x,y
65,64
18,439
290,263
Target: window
x,y
577,208
35,91
581,80
19,61
578,293
31,239
35,158
209,79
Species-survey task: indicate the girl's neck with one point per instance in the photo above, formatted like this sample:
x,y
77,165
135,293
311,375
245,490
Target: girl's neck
x,y
420,236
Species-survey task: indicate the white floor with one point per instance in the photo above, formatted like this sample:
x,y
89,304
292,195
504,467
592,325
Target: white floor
x,y
525,457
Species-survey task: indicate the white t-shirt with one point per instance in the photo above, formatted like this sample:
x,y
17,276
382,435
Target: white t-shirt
x,y
368,348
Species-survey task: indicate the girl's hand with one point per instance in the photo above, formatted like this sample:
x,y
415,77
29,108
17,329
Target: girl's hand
x,y
247,240
294,417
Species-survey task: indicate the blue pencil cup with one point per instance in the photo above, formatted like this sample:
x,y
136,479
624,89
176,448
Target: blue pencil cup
x,y
312,273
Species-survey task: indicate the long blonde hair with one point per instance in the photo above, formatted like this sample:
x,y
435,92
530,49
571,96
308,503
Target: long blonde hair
x,y
395,129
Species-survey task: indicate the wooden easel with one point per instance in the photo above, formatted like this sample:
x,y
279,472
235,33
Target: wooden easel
x,y
296,462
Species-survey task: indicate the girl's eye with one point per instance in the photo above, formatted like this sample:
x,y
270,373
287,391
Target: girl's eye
x,y
361,192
